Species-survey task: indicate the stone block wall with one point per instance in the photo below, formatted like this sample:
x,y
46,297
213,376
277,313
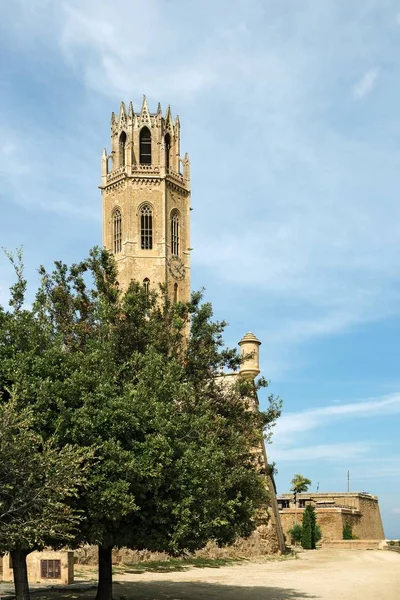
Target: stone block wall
x,y
44,567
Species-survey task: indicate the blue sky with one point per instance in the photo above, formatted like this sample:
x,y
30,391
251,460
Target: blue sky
x,y
289,111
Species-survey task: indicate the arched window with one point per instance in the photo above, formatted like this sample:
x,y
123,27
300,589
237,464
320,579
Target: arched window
x,y
175,233
122,144
117,223
145,146
146,284
146,227
167,150
175,293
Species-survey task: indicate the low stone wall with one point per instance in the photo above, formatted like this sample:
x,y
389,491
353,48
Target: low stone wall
x,y
356,544
262,542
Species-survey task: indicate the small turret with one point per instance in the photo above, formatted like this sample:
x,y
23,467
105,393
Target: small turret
x,y
249,346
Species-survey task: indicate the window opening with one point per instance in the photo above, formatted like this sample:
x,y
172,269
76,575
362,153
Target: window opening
x,y
122,143
175,234
175,293
50,569
117,231
146,284
167,150
146,227
145,146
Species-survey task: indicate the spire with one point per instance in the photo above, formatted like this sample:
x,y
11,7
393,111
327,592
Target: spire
x,y
144,113
168,119
113,119
159,111
130,112
186,169
122,114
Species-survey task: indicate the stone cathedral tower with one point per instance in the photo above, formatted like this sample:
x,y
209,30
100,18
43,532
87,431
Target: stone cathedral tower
x,y
146,200
146,224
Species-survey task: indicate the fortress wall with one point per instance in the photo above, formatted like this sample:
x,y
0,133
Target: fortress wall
x,y
369,526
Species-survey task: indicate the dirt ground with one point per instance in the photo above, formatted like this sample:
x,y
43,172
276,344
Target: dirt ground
x,y
320,574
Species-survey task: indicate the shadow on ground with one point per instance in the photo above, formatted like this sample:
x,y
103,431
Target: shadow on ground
x,y
173,590
172,566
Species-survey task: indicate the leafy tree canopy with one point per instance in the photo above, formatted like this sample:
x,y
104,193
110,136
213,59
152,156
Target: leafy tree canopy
x,y
119,371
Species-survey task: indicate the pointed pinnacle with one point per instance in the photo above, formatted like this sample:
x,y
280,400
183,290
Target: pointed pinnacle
x,y
122,110
144,104
159,111
130,113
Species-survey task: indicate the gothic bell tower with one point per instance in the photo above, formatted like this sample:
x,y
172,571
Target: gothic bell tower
x,y
146,200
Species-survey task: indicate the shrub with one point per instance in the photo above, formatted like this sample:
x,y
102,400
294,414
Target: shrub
x,y
347,531
295,533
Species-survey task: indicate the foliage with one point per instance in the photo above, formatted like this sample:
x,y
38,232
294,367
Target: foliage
x,y
347,531
308,537
118,372
296,532
36,479
300,483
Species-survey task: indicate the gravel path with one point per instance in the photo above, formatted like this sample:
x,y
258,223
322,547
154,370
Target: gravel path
x,y
321,574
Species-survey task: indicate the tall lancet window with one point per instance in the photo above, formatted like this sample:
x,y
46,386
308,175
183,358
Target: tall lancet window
x,y
146,227
117,223
175,233
167,150
175,293
122,145
145,146
146,284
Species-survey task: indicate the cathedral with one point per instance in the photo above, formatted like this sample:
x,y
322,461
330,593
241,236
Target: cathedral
x,y
145,186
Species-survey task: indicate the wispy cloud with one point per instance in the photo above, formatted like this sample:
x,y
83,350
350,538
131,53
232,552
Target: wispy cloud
x,y
298,197
324,452
305,421
366,84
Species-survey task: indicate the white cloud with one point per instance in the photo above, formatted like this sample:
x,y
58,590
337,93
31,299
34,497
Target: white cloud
x,y
324,452
366,83
305,421
305,211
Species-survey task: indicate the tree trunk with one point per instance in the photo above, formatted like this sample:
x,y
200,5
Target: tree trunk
x,y
20,572
104,587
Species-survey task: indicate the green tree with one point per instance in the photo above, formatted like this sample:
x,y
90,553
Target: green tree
x,y
300,483
36,481
347,531
308,528
296,533
175,460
